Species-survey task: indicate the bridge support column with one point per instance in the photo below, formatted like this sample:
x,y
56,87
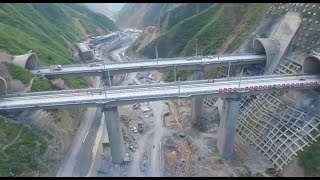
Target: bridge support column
x,y
107,79
115,134
227,128
197,101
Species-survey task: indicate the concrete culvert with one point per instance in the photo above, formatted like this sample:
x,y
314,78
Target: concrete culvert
x,y
28,61
311,64
265,46
3,86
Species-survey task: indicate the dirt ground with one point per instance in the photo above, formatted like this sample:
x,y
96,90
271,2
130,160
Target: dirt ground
x,y
195,154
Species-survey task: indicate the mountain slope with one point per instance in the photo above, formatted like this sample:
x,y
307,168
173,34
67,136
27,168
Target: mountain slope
x,y
100,8
172,16
140,15
47,29
211,28
179,13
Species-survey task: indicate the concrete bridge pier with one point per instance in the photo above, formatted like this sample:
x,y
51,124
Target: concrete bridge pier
x,y
229,113
107,80
113,127
197,101
115,134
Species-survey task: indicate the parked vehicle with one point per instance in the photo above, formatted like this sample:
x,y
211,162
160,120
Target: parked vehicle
x,y
135,130
133,149
140,126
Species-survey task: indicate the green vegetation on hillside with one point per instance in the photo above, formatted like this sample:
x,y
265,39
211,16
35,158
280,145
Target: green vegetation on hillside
x,y
21,152
211,28
173,42
19,73
251,19
96,18
45,28
42,84
150,13
76,82
235,20
154,12
181,75
181,13
310,159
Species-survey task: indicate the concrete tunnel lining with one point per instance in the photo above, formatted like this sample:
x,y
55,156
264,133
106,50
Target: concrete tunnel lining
x,y
28,61
265,46
3,86
311,64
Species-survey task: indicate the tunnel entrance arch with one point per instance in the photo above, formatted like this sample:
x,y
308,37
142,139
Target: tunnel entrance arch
x,y
3,86
28,61
265,46
31,62
311,64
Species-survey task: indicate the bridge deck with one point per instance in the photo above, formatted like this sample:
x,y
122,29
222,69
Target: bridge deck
x,y
182,62
130,94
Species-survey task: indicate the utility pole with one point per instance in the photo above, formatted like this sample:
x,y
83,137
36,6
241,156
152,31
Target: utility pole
x,y
175,73
196,47
240,77
156,49
229,70
109,78
179,84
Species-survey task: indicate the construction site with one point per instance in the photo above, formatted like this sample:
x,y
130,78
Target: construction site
x,y
271,127
241,134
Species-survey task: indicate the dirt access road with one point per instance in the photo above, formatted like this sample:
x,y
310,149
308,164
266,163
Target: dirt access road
x,y
152,137
158,109
146,142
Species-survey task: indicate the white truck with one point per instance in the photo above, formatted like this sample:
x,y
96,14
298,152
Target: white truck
x,y
56,68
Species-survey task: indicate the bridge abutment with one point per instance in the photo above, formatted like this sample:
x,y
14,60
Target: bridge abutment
x,y
229,113
115,134
197,101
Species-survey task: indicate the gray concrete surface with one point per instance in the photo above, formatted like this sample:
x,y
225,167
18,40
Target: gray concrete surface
x,y
115,134
181,63
197,102
131,94
227,128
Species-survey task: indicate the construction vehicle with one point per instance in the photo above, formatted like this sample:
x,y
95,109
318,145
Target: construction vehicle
x,y
140,127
